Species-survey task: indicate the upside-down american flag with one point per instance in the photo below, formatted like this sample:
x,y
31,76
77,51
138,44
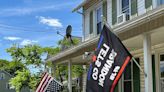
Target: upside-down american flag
x,y
44,83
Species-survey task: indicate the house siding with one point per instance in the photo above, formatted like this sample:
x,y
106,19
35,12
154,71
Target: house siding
x,y
141,7
3,83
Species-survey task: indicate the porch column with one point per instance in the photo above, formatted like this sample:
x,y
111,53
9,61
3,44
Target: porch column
x,y
157,69
70,76
147,63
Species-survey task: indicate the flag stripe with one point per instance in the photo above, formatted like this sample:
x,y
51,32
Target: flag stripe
x,y
89,72
120,73
100,42
44,83
47,84
43,78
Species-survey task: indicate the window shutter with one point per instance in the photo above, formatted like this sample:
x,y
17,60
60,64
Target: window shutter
x,y
114,12
136,77
133,7
148,3
105,10
153,73
91,22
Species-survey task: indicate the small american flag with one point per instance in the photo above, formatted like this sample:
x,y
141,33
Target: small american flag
x,y
44,83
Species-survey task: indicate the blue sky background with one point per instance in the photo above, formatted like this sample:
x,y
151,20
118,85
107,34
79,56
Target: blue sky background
x,y
36,22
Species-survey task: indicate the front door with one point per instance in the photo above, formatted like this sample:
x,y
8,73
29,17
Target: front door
x,y
162,72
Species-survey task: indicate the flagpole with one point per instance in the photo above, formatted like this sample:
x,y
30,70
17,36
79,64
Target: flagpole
x,y
139,66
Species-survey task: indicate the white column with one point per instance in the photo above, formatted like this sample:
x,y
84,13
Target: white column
x,y
69,76
148,63
157,69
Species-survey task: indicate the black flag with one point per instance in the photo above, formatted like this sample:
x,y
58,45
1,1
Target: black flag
x,y
111,58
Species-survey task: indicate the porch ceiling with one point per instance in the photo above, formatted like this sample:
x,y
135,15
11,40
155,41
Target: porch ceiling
x,y
129,32
157,37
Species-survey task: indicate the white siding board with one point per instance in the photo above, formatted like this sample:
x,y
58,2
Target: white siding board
x,y
141,7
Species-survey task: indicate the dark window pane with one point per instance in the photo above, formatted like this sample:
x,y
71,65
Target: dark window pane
x,y
127,86
125,6
162,65
99,28
162,57
127,72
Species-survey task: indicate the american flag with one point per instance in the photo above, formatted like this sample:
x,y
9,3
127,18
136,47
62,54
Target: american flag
x,y
54,86
44,83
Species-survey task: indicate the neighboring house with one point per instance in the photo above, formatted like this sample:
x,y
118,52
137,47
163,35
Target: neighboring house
x,y
4,83
140,26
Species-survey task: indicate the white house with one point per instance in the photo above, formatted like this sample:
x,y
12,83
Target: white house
x,y
140,26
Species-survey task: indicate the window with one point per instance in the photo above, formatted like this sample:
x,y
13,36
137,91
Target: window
x,y
2,76
162,72
7,86
160,2
162,65
128,79
131,78
99,20
125,8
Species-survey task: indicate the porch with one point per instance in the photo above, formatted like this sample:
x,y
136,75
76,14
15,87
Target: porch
x,y
143,36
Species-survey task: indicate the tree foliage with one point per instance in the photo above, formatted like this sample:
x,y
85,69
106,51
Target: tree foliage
x,y
3,64
32,55
61,71
22,79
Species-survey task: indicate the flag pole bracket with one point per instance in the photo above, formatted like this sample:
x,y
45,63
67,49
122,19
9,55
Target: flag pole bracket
x,y
139,66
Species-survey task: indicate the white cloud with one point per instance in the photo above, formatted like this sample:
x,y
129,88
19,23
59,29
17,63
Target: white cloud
x,y
12,38
17,11
50,22
28,42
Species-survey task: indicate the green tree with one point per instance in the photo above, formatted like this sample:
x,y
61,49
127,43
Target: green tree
x,y
3,64
30,54
15,66
22,79
61,71
25,56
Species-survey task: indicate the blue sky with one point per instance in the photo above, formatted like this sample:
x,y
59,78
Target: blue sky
x,y
36,22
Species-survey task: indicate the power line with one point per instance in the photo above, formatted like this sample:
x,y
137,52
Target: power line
x,y
24,29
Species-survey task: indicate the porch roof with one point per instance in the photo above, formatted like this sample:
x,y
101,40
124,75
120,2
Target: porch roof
x,y
80,5
139,25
